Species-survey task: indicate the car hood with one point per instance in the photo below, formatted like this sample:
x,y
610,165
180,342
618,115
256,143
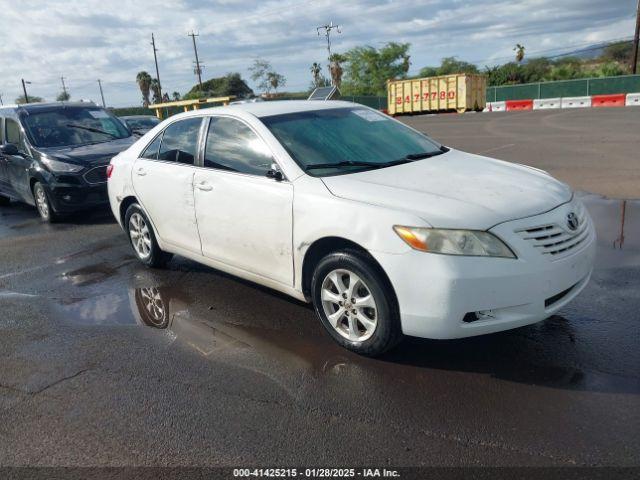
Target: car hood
x,y
456,190
92,154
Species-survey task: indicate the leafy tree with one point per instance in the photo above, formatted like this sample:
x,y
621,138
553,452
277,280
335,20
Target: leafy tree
x,y
276,80
519,49
260,73
32,99
144,82
448,66
230,84
367,69
536,70
63,96
506,74
619,51
319,80
175,96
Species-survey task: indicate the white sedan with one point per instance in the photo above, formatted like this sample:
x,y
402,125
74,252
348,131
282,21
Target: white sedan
x,y
385,230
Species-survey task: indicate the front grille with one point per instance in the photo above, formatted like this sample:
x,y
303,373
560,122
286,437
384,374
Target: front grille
x,y
96,175
555,239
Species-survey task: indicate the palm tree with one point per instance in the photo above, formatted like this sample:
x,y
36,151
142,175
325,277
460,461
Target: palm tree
x,y
276,80
519,49
175,96
155,88
316,71
144,82
336,69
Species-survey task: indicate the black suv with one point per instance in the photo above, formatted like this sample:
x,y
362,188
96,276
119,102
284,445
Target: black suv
x,y
55,155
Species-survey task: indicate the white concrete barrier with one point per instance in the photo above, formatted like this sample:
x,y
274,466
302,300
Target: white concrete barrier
x,y
542,103
633,99
496,106
575,102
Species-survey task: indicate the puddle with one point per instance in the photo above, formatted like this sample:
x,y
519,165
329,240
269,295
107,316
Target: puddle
x,y
97,273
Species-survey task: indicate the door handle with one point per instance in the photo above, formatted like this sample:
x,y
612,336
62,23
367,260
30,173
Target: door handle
x,y
141,172
204,186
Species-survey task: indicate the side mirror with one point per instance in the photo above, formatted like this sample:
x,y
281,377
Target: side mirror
x,y
9,149
275,173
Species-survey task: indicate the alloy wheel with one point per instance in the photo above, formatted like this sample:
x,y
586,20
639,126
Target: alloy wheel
x,y
41,201
349,305
140,235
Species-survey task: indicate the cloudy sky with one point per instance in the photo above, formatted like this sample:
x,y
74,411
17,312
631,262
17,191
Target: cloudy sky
x,y
84,40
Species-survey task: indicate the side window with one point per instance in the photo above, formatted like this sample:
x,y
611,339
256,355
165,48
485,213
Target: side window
x,y
151,152
12,132
180,141
231,145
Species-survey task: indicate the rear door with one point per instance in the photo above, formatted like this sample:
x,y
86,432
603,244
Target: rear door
x,y
163,182
17,166
244,217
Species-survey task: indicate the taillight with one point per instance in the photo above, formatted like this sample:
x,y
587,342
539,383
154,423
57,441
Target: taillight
x,y
109,170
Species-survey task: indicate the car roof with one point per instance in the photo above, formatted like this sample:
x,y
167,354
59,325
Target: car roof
x,y
136,116
279,107
34,107
269,108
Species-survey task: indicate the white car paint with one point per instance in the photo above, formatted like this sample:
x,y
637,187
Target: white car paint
x,y
260,229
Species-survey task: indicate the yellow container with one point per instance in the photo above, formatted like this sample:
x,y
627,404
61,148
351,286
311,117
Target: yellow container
x,y
459,92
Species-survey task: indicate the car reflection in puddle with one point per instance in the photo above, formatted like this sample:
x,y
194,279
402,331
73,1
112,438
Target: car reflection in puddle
x,y
562,352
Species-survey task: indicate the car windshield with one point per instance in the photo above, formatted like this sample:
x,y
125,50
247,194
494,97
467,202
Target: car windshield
x,y
68,126
142,123
344,140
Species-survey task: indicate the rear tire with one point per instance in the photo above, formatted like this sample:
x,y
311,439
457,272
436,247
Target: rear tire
x,y
143,239
43,204
355,303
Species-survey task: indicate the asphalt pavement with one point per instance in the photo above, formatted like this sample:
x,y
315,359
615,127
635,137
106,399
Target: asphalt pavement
x,y
107,363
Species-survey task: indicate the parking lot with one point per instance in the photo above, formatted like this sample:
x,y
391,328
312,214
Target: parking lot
x,y
240,375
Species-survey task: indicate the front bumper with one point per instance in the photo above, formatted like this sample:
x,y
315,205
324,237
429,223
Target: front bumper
x,y
439,295
68,198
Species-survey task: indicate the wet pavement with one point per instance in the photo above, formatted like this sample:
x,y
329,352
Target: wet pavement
x,y
105,362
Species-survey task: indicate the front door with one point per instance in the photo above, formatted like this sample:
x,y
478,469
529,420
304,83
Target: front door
x,y
17,166
163,182
244,218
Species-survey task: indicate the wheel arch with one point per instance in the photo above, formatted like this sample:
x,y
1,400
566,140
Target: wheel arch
x,y
326,245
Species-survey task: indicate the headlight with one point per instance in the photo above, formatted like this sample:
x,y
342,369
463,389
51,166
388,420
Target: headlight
x,y
57,166
454,242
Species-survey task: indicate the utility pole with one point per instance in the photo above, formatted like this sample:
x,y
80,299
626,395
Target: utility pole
x,y
101,93
327,32
155,58
197,70
24,89
634,57
64,87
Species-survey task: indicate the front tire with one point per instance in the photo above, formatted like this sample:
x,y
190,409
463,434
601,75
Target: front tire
x,y
43,204
143,239
355,303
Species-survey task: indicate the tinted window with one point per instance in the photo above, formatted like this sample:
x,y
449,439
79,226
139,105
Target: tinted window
x,y
180,141
231,145
151,152
343,135
73,126
12,130
142,122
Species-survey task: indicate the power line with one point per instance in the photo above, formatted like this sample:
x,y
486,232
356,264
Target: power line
x,y
155,58
64,88
636,36
327,32
198,69
101,94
